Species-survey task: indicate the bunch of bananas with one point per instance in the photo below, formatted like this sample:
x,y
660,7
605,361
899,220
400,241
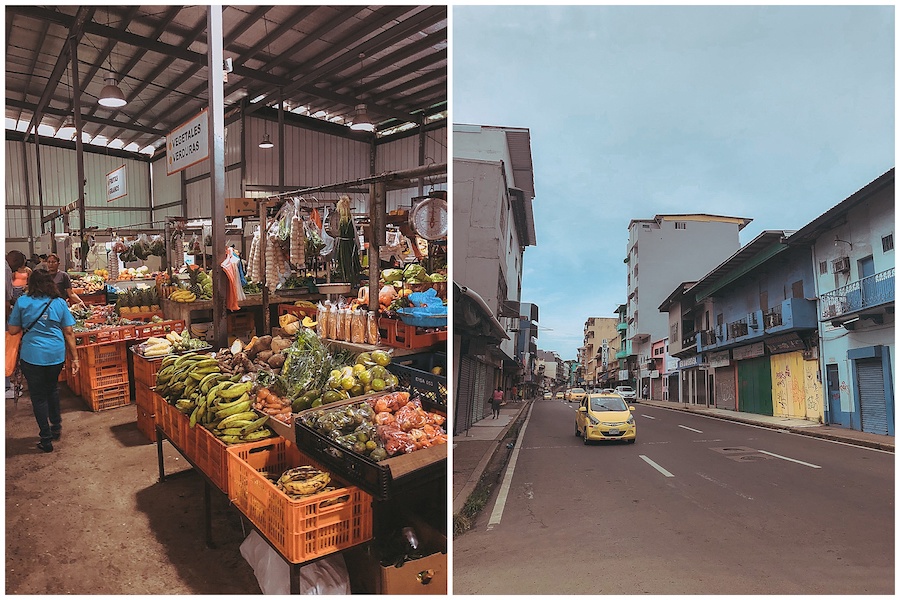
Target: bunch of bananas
x,y
182,295
304,481
196,387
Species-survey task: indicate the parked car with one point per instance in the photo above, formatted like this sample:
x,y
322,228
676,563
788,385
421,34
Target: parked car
x,y
575,394
626,391
605,417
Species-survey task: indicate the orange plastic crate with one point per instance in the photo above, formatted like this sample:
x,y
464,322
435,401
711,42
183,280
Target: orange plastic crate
x,y
143,397
108,397
301,529
176,426
104,336
96,377
145,368
210,454
146,423
143,332
397,334
102,355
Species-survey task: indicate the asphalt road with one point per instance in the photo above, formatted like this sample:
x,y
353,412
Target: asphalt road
x,y
697,505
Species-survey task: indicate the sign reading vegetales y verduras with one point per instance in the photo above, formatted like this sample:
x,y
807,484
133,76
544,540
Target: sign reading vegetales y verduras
x,y
188,143
116,184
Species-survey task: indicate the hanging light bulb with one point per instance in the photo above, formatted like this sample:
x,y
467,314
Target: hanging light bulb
x,y
111,96
67,129
266,142
362,122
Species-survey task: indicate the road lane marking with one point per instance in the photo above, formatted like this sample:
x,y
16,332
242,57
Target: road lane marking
x,y
724,485
800,462
690,429
500,504
656,466
648,417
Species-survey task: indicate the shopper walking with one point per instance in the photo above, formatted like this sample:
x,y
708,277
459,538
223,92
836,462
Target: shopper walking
x,y
44,317
496,401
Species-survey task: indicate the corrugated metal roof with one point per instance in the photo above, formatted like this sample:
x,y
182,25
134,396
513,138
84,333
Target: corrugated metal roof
x,y
325,60
519,143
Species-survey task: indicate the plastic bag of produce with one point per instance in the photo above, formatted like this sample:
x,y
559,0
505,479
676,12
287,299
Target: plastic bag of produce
x,y
325,576
157,246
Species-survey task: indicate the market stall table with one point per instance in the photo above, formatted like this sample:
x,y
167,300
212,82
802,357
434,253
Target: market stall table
x,y
184,310
208,485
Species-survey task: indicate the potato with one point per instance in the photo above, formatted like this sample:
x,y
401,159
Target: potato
x,y
276,360
265,355
279,343
264,343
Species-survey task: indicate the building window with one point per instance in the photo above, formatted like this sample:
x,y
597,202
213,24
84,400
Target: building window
x,y
823,267
680,225
673,334
797,289
887,242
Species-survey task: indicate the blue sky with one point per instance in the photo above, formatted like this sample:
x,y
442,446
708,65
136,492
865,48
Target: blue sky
x,y
775,113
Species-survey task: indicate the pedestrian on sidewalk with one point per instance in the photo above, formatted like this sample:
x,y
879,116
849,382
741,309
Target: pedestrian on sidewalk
x,y
496,401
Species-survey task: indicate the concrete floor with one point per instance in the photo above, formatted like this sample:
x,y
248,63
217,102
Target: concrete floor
x,y
92,517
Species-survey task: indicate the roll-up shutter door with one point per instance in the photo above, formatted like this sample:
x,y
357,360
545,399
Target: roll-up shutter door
x,y
464,395
872,405
725,388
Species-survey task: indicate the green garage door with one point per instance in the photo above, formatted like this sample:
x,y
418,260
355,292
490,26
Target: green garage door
x,y
755,386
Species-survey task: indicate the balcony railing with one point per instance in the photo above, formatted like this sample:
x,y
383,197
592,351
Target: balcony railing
x,y
868,292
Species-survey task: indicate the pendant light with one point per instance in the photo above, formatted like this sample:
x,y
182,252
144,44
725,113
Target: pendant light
x,y
111,96
266,143
362,122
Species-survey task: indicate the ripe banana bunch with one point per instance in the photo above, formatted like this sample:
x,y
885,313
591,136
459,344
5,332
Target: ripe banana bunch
x,y
182,295
303,481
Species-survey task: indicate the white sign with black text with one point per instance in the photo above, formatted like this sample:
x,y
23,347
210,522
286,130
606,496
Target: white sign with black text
x,y
116,184
188,143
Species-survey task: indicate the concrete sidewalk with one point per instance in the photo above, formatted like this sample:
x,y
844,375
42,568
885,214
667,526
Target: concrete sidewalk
x,y
474,449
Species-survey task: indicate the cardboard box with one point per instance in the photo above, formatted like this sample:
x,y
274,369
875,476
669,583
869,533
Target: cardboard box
x,y
427,575
240,207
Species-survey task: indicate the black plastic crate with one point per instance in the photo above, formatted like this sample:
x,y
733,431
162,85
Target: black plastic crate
x,y
422,384
375,478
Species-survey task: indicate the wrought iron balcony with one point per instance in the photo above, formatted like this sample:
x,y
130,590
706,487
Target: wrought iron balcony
x,y
867,293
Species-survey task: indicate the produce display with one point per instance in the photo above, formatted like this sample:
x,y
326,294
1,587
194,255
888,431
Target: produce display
x,y
170,344
341,321
303,481
137,300
130,273
380,427
90,284
220,402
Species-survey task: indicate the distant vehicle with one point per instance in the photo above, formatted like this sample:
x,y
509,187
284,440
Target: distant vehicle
x,y
548,396
626,391
560,395
607,391
605,417
575,394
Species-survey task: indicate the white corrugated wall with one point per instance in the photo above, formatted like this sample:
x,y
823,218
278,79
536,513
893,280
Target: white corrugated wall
x,y
59,184
404,154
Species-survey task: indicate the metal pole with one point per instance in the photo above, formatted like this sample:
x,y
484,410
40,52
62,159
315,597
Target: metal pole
x,y
216,116
280,148
79,148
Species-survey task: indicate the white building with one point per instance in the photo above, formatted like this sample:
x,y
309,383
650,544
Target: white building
x,y
662,252
493,187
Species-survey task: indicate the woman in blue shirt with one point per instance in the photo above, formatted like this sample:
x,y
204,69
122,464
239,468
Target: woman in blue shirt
x,y
48,321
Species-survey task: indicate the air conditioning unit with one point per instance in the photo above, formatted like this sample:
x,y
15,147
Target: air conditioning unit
x,y
738,329
841,265
811,354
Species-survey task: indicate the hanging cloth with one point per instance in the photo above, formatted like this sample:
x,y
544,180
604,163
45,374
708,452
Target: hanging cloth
x,y
231,293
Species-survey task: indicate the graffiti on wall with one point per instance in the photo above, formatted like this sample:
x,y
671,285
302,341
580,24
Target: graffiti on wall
x,y
815,410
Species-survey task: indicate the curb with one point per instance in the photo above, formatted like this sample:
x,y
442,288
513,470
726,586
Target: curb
x,y
798,430
460,501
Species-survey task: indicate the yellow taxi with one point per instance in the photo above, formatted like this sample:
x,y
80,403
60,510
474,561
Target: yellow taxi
x,y
575,394
560,395
605,417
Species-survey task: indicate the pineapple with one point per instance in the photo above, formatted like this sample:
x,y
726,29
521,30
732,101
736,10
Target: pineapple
x,y
144,300
194,283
